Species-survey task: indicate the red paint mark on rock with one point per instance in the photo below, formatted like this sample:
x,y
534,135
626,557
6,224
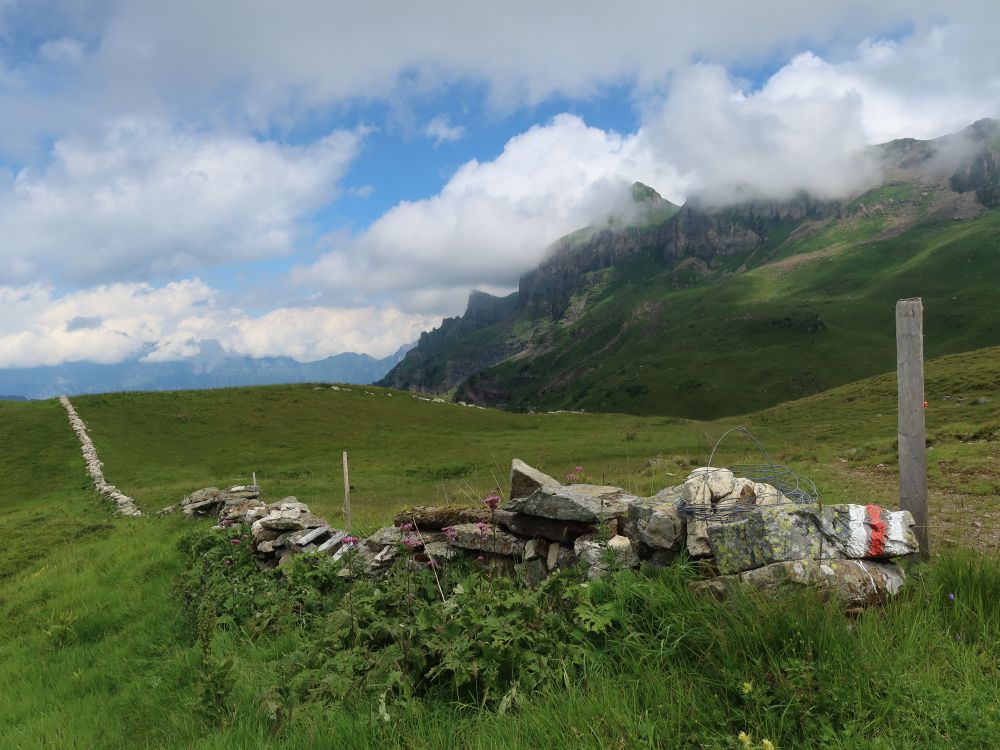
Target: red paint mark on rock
x,y
876,542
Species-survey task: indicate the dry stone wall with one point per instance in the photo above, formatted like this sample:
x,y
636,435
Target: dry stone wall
x,y
739,531
125,506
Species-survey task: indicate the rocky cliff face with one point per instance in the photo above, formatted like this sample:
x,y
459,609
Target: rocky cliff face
x,y
703,231
441,360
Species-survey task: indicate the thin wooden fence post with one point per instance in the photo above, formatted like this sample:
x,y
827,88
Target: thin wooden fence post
x,y
347,497
911,437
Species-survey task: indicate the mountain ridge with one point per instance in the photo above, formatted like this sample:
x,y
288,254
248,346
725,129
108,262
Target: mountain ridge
x,y
532,354
212,369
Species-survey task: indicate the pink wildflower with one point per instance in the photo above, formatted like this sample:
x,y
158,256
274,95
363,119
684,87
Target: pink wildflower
x,y
350,541
484,529
412,543
480,559
492,501
450,533
234,541
579,470
406,527
432,564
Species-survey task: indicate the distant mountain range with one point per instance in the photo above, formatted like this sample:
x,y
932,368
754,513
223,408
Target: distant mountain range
x,y
708,310
213,368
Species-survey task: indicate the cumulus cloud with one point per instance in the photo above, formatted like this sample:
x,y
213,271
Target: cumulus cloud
x,y
493,219
441,131
112,323
144,200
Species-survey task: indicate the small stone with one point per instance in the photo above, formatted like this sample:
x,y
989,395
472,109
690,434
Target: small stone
x,y
532,572
552,558
385,536
439,550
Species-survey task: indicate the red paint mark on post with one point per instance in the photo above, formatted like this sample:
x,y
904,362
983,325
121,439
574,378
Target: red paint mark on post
x,y
876,542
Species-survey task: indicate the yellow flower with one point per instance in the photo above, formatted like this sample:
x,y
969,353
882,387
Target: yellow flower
x,y
747,688
767,745
744,739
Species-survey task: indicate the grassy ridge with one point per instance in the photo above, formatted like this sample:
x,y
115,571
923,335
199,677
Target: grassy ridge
x,y
96,653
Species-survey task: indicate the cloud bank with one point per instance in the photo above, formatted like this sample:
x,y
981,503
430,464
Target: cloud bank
x,y
111,323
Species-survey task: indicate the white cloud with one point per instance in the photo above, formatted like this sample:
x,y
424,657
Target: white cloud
x,y
493,219
145,200
441,131
111,323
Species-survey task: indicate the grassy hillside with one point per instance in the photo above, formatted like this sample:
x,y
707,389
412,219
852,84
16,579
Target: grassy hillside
x,y
97,652
817,314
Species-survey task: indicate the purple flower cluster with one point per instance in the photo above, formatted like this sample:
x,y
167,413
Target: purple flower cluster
x,y
574,475
484,529
450,533
492,501
412,542
351,541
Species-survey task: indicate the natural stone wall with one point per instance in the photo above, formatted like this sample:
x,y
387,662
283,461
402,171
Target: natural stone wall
x,y
125,505
741,532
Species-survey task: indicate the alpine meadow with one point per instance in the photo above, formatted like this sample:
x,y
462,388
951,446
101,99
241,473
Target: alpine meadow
x,y
452,376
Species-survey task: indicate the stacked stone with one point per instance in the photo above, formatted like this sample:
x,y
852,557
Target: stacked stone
x,y
740,531
125,505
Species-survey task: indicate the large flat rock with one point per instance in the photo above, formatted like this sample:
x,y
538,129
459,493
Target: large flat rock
x,y
574,502
782,533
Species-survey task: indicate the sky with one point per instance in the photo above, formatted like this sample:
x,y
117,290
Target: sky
x,y
310,177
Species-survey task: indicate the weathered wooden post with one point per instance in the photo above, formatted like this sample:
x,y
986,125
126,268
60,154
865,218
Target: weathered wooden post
x,y
912,441
347,497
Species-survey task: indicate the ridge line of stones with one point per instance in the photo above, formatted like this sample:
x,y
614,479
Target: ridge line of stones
x,y
125,505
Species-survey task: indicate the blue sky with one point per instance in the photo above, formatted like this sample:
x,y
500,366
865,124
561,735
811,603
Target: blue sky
x,y
308,177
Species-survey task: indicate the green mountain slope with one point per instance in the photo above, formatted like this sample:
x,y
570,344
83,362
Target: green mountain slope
x,y
717,311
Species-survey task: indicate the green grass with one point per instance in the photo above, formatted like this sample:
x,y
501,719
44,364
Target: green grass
x,y
96,651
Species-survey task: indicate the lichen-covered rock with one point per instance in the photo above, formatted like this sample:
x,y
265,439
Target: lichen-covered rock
x,y
771,534
702,488
547,528
600,556
525,480
532,572
486,537
714,497
387,535
435,518
203,502
855,583
576,502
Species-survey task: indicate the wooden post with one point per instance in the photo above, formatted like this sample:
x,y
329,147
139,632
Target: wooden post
x,y
347,496
912,441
